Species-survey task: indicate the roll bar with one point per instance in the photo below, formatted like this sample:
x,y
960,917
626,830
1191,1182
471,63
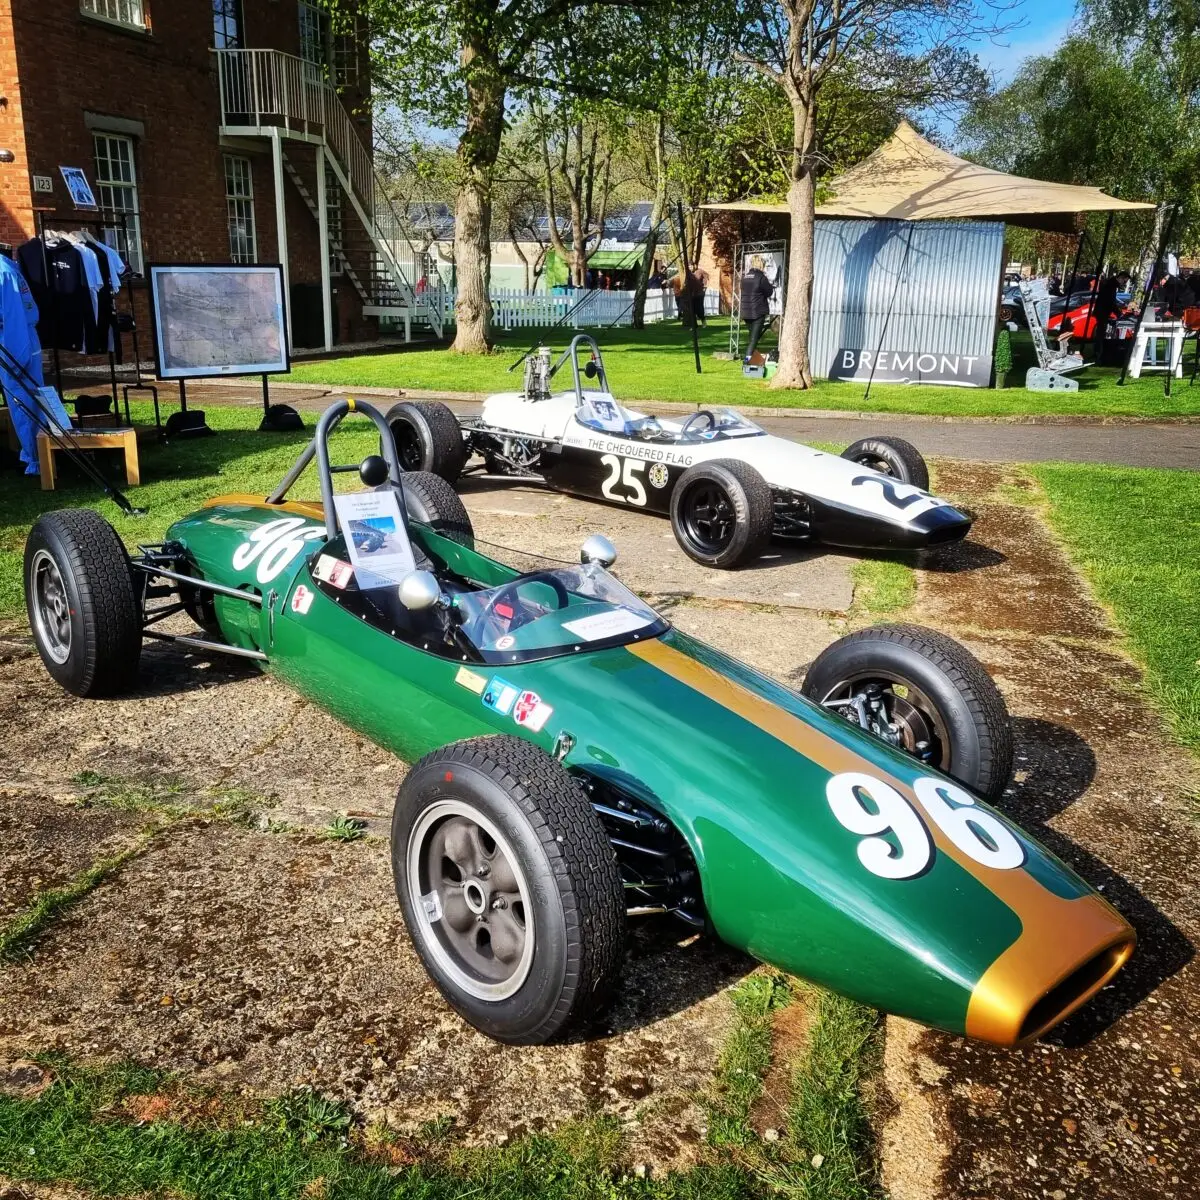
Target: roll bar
x,y
572,352
319,448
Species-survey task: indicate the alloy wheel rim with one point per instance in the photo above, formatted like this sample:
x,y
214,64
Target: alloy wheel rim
x,y
907,708
51,607
709,518
471,900
408,447
876,464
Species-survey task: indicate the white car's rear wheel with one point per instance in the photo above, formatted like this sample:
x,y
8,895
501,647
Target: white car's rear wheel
x,y
722,512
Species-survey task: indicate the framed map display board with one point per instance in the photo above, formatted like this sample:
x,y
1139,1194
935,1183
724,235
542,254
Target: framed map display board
x,y
218,319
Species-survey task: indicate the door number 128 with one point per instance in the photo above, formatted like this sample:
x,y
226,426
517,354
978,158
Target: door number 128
x,y
629,475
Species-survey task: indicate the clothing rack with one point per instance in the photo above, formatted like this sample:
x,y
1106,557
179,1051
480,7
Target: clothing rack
x,y
97,225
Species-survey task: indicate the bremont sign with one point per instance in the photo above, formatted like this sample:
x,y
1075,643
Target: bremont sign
x,y
912,366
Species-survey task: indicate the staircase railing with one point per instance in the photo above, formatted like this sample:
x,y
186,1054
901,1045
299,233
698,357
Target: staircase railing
x,y
265,88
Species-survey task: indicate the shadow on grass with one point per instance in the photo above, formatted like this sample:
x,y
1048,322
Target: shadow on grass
x,y
958,557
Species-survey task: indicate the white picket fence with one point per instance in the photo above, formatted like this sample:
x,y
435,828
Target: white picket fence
x,y
579,308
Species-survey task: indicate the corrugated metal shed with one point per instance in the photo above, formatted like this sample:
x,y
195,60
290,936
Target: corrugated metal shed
x,y
910,300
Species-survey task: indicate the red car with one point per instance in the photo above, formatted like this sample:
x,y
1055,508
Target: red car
x,y
1075,310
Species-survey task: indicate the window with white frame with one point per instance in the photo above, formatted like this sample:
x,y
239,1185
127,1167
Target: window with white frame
x,y
123,12
116,191
314,37
239,200
227,24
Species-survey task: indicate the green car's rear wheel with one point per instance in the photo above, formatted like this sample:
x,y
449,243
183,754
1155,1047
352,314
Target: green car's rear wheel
x,y
81,602
923,693
509,887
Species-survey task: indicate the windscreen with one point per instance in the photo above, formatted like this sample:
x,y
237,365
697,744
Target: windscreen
x,y
732,424
558,611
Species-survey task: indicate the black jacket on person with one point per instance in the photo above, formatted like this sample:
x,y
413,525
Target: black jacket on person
x,y
757,291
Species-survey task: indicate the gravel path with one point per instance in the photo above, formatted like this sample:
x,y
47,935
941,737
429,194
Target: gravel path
x,y
1118,442
1109,1104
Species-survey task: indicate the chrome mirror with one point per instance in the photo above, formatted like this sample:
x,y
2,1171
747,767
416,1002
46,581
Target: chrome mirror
x,y
598,549
420,590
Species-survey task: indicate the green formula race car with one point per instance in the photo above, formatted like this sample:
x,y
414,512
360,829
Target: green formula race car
x,y
579,762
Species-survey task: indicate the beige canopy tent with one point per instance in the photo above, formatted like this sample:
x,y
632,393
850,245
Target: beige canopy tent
x,y
910,179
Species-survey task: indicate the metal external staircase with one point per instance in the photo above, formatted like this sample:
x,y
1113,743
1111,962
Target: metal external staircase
x,y
335,238
266,93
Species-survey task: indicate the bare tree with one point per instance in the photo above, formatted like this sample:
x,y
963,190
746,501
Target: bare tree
x,y
922,45
578,143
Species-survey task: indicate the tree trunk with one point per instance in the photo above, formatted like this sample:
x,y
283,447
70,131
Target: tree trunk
x,y
478,150
795,371
656,212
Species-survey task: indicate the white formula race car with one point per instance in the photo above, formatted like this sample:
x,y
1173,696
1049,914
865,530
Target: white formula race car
x,y
727,485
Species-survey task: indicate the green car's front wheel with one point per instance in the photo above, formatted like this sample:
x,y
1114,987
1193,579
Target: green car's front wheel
x,y
509,887
923,693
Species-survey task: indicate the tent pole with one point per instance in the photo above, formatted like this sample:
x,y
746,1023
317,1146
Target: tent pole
x,y
687,283
1096,290
1070,282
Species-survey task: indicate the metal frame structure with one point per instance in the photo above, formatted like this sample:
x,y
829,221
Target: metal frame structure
x,y
742,251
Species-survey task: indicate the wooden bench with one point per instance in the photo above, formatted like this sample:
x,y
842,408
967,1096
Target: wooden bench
x,y
109,439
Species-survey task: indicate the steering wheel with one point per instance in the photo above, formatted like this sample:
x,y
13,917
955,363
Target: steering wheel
x,y
512,589
710,422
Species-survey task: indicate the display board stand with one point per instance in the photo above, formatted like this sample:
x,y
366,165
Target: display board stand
x,y
220,321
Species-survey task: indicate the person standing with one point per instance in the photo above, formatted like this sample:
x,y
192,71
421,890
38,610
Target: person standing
x,y
697,284
1107,307
757,291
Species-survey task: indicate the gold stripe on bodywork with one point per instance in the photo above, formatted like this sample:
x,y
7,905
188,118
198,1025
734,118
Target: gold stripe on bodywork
x,y
302,508
1058,935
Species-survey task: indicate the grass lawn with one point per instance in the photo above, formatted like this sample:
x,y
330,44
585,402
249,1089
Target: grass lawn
x,y
1136,535
657,364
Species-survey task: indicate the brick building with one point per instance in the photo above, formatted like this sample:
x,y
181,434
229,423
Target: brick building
x,y
214,131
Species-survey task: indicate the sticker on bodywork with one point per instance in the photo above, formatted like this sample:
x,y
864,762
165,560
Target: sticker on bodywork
x,y
302,600
606,624
658,476
333,571
471,681
500,696
531,711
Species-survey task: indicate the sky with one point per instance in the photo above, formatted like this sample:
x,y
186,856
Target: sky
x,y
1043,27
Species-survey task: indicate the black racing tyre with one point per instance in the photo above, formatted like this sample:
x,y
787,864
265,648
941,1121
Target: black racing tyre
x,y
945,707
428,438
722,512
429,499
509,887
82,607
893,456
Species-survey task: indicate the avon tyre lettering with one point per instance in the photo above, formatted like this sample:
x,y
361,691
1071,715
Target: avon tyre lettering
x,y
872,808
274,545
628,475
